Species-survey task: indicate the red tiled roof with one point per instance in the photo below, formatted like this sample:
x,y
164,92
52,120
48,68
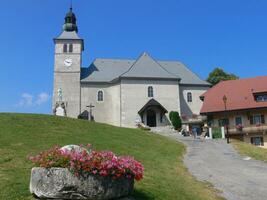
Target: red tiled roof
x,y
239,95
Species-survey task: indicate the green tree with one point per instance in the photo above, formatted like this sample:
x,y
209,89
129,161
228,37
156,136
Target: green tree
x,y
171,115
176,120
218,75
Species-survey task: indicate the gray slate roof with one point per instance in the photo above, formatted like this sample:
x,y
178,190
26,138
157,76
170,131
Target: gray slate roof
x,y
68,35
147,67
111,70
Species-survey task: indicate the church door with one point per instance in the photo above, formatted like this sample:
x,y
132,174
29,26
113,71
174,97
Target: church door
x,y
151,118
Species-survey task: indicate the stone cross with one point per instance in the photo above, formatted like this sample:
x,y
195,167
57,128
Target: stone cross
x,y
90,111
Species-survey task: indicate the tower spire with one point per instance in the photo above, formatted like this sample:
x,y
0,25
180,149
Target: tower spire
x,y
71,5
70,21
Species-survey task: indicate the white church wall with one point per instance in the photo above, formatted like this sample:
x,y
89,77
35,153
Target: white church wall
x,y
135,96
107,111
194,107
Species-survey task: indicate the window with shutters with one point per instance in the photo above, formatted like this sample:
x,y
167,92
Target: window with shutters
x,y
257,141
238,121
257,119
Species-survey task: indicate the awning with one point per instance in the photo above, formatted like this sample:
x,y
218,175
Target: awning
x,y
152,103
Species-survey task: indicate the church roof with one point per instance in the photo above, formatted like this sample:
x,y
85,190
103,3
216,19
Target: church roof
x,y
147,67
111,70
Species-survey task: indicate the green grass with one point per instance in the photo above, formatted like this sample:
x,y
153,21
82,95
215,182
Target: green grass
x,y
165,176
250,150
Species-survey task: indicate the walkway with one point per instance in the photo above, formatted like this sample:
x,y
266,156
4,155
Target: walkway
x,y
215,161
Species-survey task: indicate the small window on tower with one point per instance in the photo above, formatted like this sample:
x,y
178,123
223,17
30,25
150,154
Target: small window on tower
x,y
71,48
65,48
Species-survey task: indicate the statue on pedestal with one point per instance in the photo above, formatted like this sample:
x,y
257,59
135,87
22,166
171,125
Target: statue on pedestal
x,y
60,94
60,107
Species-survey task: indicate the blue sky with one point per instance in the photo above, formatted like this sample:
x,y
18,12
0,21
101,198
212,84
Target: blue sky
x,y
202,34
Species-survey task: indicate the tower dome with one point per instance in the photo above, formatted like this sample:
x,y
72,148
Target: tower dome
x,y
70,22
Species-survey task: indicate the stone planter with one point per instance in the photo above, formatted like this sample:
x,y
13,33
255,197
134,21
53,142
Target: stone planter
x,y
60,183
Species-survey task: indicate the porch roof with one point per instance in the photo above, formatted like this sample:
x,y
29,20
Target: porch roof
x,y
152,103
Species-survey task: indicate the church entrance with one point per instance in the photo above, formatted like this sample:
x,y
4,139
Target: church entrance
x,y
152,114
151,118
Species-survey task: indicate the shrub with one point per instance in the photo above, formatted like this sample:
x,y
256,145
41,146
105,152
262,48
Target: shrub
x,y
103,163
176,120
171,115
216,133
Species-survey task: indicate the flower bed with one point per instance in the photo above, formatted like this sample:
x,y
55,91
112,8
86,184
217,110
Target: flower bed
x,y
85,165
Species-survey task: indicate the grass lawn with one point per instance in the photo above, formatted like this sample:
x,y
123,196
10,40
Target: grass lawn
x,y
250,150
165,176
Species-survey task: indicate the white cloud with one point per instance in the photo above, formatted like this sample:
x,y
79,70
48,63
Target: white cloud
x,y
29,100
26,100
42,98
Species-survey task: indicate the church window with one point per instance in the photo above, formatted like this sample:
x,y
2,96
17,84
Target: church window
x,y
150,91
65,48
71,48
100,96
189,97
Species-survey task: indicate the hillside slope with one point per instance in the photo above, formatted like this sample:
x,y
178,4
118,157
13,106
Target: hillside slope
x,y
165,176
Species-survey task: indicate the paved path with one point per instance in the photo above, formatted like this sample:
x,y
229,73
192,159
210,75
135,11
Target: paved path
x,y
218,163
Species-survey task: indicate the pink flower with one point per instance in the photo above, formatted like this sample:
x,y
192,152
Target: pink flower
x,y
104,163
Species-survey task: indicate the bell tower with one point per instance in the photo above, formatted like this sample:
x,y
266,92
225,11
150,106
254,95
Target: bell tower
x,y
67,69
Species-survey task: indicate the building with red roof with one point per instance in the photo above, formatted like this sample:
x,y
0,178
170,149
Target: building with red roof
x,y
241,105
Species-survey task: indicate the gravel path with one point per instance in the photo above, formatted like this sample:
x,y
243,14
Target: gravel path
x,y
239,178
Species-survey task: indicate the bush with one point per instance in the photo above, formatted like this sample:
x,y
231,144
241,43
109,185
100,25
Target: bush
x,y
216,133
176,120
171,115
103,163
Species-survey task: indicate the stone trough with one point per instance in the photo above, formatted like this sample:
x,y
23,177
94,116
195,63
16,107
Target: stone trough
x,y
60,183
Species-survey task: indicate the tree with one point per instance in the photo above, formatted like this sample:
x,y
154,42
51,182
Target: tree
x,y
218,75
176,120
171,115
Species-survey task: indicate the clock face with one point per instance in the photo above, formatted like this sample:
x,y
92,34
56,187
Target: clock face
x,y
68,62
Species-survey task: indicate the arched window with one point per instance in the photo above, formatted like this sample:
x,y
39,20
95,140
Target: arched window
x,y
100,96
71,48
65,48
189,97
150,91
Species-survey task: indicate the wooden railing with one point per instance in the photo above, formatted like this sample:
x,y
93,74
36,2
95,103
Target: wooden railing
x,y
248,129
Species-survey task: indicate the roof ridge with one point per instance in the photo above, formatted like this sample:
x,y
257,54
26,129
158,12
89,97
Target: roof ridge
x,y
147,54
131,66
164,68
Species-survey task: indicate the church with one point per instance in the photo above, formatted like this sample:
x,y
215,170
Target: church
x,y
121,92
